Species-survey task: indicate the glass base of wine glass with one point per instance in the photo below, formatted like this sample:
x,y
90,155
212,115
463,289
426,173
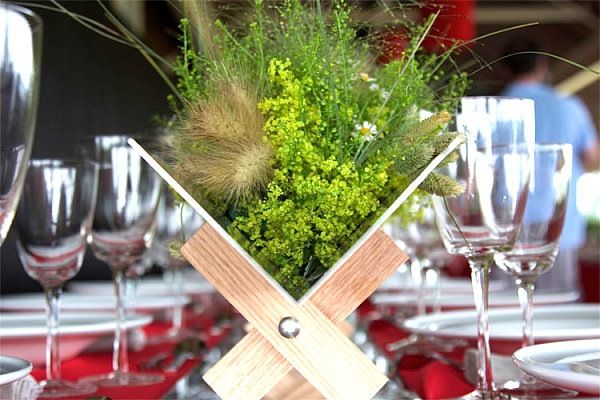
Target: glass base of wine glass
x,y
60,388
529,388
394,390
120,378
424,344
490,395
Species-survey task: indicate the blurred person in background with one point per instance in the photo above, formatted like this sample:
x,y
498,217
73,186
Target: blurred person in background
x,y
562,119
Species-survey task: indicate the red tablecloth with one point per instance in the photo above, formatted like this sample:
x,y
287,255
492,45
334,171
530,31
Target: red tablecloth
x,y
99,363
430,379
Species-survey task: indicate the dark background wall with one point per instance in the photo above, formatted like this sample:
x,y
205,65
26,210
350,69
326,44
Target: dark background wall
x,y
90,85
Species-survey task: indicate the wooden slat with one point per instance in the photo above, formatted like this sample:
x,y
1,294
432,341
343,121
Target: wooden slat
x,y
237,374
359,277
349,286
294,387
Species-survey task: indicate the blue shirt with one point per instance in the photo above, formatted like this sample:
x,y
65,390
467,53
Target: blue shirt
x,y
561,119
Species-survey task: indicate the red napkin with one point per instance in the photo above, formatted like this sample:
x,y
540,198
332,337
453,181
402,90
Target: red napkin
x,y
434,380
430,379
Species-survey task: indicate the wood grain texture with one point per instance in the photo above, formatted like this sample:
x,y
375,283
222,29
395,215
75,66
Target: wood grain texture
x,y
335,300
237,375
352,283
294,387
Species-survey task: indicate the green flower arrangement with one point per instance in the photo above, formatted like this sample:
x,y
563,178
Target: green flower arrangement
x,y
292,131
292,136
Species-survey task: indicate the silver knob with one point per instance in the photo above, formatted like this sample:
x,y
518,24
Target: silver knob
x,y
289,327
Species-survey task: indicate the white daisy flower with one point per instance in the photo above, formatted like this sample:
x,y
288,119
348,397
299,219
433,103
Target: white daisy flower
x,y
373,87
365,77
367,130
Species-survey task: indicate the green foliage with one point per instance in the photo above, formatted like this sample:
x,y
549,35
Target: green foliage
x,y
190,82
345,133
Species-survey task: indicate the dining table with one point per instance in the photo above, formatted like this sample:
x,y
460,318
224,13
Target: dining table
x,y
220,327
421,375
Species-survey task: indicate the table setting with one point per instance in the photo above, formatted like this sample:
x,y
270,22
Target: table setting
x,y
302,205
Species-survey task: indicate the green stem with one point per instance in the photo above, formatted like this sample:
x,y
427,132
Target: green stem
x,y
331,83
181,206
357,156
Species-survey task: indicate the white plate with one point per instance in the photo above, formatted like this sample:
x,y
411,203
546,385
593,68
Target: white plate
x,y
447,285
12,369
83,302
24,335
465,300
550,323
146,288
571,365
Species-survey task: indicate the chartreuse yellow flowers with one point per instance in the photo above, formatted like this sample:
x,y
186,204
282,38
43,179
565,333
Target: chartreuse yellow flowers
x,y
314,202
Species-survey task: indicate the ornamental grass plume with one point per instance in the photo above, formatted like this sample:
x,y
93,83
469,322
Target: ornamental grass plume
x,y
421,145
222,148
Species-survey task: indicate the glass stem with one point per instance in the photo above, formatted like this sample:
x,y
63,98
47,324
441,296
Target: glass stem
x,y
177,318
437,289
422,290
120,360
525,293
480,279
131,289
52,337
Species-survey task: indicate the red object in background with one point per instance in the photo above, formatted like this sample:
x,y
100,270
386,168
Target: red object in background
x,y
432,379
93,363
589,272
454,23
393,43
458,266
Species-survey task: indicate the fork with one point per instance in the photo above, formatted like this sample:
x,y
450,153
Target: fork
x,y
187,349
154,362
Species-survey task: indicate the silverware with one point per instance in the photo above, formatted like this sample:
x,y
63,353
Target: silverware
x,y
187,349
154,362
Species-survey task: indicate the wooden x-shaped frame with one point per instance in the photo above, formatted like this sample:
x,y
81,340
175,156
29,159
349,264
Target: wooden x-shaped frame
x,y
320,352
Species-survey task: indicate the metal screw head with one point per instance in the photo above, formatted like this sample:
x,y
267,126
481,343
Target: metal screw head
x,y
289,327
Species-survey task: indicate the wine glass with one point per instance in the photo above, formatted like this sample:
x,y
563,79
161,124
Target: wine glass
x,y
135,272
536,248
53,222
20,52
176,223
493,166
123,228
430,255
425,243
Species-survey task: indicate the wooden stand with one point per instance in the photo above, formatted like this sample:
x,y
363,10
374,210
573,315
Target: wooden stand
x,y
320,352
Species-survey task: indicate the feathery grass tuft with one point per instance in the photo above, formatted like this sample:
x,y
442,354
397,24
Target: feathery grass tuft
x,y
221,146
